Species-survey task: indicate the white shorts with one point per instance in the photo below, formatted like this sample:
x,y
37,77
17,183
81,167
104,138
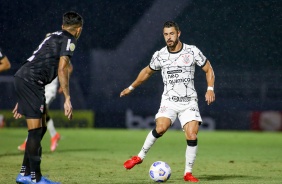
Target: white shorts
x,y
51,91
185,112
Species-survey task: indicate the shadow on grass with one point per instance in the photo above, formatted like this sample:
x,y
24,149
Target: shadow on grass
x,y
49,152
11,154
201,178
223,177
75,150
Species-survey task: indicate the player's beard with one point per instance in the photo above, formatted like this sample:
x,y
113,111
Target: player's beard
x,y
172,47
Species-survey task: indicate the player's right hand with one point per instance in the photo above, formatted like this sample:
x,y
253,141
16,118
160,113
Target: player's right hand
x,y
68,108
16,114
125,92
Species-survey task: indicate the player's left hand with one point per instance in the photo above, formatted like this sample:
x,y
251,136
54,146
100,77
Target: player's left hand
x,y
16,114
125,92
210,97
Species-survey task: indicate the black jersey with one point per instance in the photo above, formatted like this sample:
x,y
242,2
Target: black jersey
x,y
42,67
1,54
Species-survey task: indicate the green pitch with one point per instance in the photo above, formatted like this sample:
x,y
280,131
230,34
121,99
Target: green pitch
x,y
97,155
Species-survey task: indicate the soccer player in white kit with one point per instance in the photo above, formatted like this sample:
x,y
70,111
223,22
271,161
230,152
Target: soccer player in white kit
x,y
177,62
50,94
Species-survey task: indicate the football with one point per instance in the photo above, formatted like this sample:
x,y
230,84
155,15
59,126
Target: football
x,y
160,171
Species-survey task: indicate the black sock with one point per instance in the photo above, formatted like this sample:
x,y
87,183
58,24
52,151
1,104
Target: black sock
x,y
155,133
25,169
33,149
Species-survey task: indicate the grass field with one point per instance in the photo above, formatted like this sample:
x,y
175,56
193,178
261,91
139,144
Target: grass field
x,y
93,156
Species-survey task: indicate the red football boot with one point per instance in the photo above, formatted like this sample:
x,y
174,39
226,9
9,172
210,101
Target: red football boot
x,y
189,177
132,162
22,146
54,142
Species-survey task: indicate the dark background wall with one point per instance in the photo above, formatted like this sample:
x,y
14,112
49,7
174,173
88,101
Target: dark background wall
x,y
242,39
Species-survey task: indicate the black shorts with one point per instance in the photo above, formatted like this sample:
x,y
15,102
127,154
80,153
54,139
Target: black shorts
x,y
31,99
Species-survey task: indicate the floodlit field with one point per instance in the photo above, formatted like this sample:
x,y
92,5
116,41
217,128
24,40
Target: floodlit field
x,y
96,156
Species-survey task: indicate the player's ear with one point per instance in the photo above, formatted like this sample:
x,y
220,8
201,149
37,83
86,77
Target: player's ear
x,y
62,26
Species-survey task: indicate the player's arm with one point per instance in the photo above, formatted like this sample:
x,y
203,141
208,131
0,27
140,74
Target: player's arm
x,y
63,74
144,74
4,64
210,77
70,69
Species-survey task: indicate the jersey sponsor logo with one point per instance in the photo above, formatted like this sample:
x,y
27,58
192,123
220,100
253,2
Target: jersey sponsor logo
x,y
174,71
175,81
181,98
171,76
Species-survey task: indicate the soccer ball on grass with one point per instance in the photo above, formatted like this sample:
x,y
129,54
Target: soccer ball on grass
x,y
159,171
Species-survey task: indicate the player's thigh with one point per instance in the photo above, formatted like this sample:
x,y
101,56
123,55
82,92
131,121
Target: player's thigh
x,y
33,123
191,113
31,99
164,119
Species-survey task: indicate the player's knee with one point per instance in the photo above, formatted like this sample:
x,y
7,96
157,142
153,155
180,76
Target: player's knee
x,y
192,136
161,129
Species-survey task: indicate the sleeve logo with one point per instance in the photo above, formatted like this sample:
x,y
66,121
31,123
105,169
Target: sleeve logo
x,y
70,46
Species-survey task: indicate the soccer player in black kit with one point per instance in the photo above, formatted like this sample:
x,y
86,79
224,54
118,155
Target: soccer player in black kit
x,y
49,60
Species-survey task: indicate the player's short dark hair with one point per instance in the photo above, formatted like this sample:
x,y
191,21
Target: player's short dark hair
x,y
72,18
169,24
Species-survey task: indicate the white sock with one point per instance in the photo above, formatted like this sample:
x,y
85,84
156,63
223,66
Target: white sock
x,y
150,140
51,128
191,152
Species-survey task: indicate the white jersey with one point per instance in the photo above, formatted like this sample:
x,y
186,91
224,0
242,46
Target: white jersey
x,y
178,72
51,91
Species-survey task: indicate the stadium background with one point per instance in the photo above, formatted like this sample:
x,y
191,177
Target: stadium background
x,y
241,39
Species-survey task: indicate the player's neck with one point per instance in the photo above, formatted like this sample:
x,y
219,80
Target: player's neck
x,y
176,48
